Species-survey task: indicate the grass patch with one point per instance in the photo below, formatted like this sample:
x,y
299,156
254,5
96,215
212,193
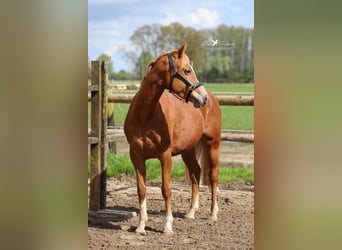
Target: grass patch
x,y
237,117
121,165
230,87
118,165
240,174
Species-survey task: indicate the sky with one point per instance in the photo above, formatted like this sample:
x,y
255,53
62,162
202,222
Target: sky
x,y
112,22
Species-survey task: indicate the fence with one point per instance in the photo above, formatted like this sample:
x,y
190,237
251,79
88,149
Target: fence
x,y
222,99
99,136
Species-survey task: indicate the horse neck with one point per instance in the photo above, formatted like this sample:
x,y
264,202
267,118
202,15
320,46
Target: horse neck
x,y
147,98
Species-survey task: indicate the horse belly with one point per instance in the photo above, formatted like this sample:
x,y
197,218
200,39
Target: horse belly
x,y
185,140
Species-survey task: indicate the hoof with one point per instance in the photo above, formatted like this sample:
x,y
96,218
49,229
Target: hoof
x,y
190,216
213,217
168,232
140,231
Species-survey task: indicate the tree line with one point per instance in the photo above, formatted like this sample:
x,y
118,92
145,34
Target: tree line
x,y
224,54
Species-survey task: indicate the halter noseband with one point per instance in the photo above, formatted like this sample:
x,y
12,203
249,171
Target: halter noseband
x,y
174,74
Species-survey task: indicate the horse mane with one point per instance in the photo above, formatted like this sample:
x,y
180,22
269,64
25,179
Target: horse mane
x,y
152,63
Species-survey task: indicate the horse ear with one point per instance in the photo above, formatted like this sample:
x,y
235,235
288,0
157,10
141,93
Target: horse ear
x,y
149,66
182,49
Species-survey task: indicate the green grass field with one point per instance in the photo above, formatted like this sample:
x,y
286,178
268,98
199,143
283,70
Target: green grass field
x,y
233,117
118,165
230,88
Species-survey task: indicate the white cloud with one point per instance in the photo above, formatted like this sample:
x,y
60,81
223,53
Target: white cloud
x,y
109,37
107,28
200,18
101,35
204,17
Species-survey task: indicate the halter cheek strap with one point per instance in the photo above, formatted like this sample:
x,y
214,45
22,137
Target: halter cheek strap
x,y
174,74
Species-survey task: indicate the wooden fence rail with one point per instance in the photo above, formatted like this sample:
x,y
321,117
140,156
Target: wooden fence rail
x,y
118,134
222,99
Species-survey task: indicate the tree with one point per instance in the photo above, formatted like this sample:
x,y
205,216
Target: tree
x,y
144,59
224,63
218,67
175,34
147,38
151,40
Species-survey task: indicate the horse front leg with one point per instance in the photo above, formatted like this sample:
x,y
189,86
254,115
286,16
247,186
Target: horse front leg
x,y
140,170
166,162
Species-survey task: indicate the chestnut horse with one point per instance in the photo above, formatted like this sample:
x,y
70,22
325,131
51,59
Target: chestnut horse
x,y
161,124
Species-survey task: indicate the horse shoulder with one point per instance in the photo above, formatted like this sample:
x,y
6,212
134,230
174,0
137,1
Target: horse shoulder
x,y
185,123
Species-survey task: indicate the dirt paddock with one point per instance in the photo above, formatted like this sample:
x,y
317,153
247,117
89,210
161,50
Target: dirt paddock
x,y
233,230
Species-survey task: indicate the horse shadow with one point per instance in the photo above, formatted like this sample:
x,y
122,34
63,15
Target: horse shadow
x,y
114,222
117,222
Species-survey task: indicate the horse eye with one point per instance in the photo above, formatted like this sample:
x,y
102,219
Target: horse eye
x,y
187,71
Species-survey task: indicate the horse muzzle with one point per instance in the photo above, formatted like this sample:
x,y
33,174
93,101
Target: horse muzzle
x,y
199,99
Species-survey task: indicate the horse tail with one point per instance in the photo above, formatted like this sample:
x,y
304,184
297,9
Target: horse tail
x,y
202,157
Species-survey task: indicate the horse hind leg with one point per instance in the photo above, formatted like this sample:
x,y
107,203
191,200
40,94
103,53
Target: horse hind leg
x,y
194,174
213,164
208,158
140,170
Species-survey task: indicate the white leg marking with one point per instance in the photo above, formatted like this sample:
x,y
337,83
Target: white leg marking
x,y
214,213
210,189
168,225
191,213
196,206
143,218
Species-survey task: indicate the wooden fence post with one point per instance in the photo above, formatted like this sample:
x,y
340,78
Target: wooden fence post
x,y
98,141
104,142
98,178
96,96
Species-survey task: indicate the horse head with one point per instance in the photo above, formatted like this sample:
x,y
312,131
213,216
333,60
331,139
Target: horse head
x,y
176,74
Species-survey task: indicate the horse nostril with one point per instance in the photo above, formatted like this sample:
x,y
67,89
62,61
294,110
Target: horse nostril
x,y
205,99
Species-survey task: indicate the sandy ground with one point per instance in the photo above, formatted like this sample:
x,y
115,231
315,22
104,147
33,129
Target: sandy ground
x,y
233,230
